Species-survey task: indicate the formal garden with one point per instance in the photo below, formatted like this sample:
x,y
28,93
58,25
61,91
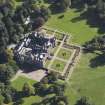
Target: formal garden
x,y
64,54
58,65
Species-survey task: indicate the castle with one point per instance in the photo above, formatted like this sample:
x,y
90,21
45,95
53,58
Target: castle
x,y
34,49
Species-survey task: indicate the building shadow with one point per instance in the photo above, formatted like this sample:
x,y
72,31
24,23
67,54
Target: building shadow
x,y
27,68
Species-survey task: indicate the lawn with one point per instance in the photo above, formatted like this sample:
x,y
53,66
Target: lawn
x,y
64,54
79,29
18,84
31,100
58,65
86,80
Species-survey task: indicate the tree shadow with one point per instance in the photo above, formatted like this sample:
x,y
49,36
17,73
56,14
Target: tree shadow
x,y
18,102
19,0
61,16
40,92
78,5
18,95
17,99
56,9
26,67
48,1
3,58
92,19
98,61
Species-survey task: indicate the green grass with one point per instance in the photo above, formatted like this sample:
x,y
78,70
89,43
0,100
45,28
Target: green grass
x,y
19,82
87,81
64,54
58,65
79,30
18,2
31,100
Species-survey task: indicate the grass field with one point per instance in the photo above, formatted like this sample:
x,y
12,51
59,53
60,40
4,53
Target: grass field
x,y
79,30
64,54
18,84
58,65
85,80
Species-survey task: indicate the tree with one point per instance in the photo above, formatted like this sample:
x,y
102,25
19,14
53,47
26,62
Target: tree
x,y
45,12
52,77
1,16
100,7
41,88
19,29
6,72
61,103
38,22
59,100
1,99
4,37
83,101
30,1
37,11
19,16
59,90
62,4
27,89
9,2
8,98
97,43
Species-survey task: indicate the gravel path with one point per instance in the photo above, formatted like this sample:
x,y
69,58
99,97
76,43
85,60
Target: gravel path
x,y
49,66
34,75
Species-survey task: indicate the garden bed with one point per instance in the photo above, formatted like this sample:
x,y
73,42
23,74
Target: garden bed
x,y
64,54
58,65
